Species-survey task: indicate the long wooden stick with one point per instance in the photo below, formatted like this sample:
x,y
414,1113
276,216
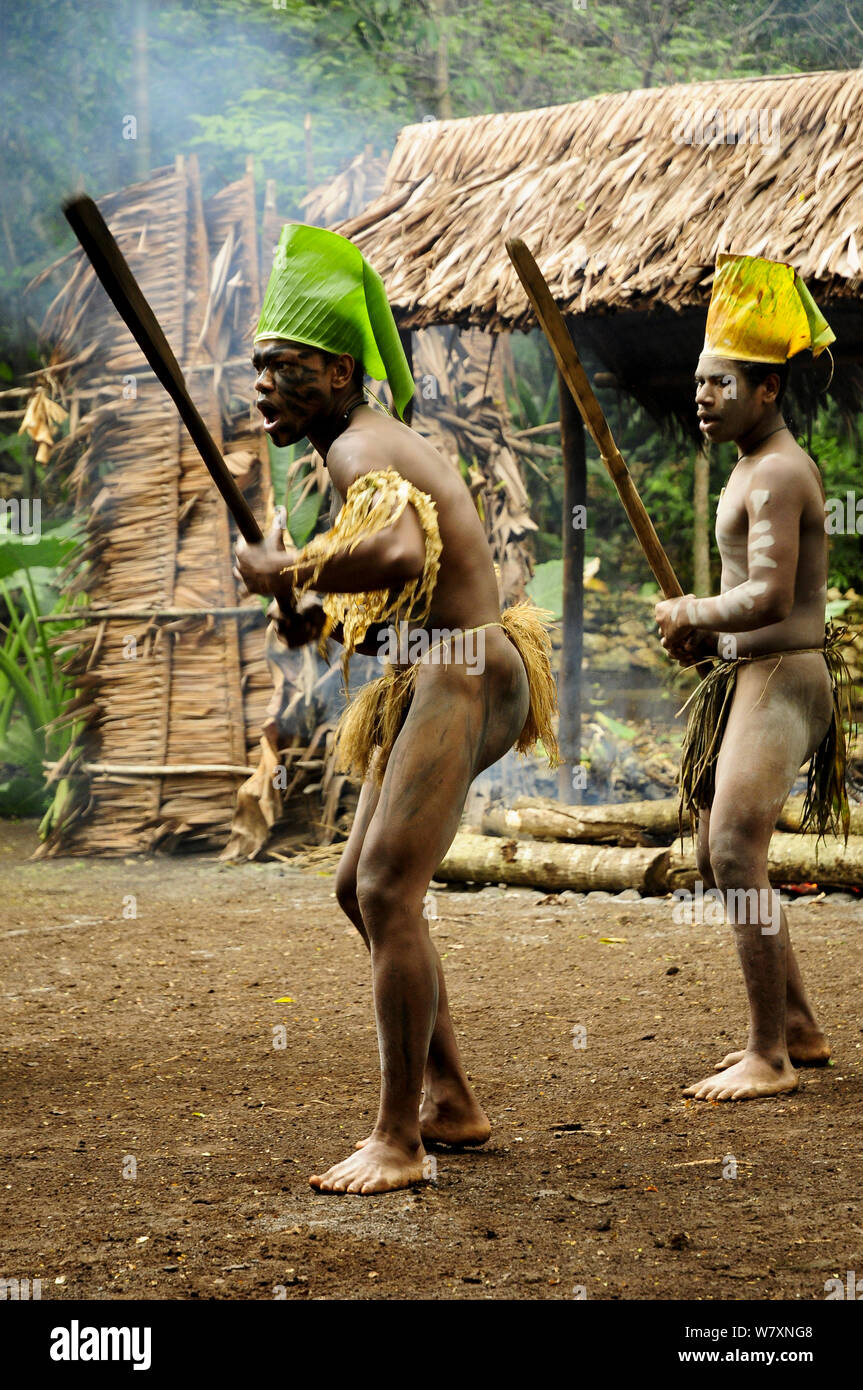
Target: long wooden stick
x,y
553,325
123,289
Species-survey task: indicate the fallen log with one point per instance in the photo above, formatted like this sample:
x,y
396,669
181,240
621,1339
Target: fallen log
x,y
791,859
555,866
621,823
625,823
793,809
546,864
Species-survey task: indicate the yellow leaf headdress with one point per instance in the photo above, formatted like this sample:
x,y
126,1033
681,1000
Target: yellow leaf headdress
x,y
761,311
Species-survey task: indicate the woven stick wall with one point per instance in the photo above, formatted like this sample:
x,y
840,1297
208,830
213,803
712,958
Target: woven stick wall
x,y
161,701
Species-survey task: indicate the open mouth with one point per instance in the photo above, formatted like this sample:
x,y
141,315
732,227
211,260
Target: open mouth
x,y
272,415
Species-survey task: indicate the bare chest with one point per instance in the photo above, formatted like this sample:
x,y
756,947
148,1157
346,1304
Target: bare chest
x,y
733,528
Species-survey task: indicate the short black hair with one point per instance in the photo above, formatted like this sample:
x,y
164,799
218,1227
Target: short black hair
x,y
757,372
359,370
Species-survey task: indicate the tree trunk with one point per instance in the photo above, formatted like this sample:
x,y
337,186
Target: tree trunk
x,y
652,871
442,97
142,90
791,859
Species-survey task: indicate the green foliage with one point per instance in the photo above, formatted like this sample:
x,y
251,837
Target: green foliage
x,y
304,508
836,450
615,727
32,690
546,587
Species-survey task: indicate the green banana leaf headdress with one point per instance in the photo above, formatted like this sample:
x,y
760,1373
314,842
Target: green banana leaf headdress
x,y
323,292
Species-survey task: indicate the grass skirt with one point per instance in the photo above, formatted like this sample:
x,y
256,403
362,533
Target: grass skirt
x,y
374,718
826,805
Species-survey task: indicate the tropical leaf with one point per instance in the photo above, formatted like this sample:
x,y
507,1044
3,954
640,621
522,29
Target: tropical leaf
x,y
303,513
546,587
47,552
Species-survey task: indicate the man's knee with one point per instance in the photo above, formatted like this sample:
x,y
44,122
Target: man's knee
x,y
703,864
386,898
346,887
735,855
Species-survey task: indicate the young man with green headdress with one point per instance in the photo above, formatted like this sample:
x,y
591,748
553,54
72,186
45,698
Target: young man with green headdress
x,y
778,695
407,548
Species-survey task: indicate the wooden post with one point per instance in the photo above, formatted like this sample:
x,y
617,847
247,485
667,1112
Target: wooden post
x,y
701,525
569,681
270,229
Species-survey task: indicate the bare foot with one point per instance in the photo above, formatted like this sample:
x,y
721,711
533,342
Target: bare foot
x,y
382,1166
807,1047
460,1122
749,1079
456,1119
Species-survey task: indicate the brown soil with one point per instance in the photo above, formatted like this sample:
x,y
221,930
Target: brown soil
x,y
151,1038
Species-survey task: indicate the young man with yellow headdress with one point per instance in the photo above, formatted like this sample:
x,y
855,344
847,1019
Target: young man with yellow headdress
x,y
777,696
407,554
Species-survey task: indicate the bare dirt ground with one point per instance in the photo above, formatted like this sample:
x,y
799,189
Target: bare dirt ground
x,y
156,1144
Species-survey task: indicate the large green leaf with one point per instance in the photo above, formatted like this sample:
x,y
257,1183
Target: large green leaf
x,y
19,554
546,587
22,796
303,515
40,555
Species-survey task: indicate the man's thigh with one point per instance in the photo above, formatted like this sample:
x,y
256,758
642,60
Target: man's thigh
x,y
776,721
442,746
346,877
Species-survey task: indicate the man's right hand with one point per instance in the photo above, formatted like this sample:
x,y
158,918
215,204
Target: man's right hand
x,y
301,625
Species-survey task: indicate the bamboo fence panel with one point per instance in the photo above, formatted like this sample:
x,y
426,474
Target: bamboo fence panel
x,y
158,694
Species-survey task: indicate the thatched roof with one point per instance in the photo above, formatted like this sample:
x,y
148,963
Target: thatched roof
x,y
620,214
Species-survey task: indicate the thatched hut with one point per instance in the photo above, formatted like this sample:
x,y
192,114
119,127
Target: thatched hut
x,y
624,201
